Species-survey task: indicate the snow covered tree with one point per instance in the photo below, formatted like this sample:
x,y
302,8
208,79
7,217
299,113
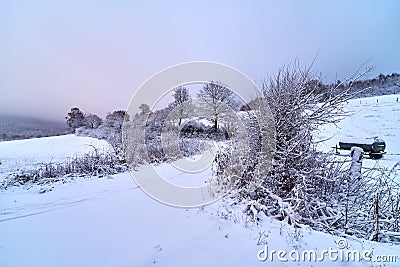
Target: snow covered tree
x,y
216,101
181,103
92,121
75,119
116,118
144,109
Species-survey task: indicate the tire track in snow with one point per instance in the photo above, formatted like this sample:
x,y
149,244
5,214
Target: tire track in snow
x,y
55,205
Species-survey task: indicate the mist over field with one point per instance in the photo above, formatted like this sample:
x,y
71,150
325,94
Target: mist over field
x,y
16,127
94,55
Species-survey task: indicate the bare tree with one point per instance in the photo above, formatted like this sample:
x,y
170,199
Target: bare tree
x,y
181,103
215,99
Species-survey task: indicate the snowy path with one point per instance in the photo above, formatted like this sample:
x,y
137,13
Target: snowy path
x,y
19,204
116,224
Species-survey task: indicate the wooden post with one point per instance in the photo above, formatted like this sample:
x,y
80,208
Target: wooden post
x,y
376,237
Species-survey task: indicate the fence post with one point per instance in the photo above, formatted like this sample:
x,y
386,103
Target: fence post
x,y
376,237
356,162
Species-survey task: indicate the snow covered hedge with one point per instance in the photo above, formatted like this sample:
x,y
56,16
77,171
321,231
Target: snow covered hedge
x,y
95,163
305,186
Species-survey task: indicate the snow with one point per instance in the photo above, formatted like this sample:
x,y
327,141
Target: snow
x,y
116,224
172,172
112,222
29,153
371,117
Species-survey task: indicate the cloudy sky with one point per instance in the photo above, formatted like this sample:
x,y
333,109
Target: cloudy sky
x,y
94,54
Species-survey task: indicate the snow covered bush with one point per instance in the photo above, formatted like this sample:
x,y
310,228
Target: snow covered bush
x,y
147,138
110,130
307,186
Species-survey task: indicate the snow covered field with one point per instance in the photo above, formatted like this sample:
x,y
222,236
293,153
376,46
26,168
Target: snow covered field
x,y
371,117
29,153
111,222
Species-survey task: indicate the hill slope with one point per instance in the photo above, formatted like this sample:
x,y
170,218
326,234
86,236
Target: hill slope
x,y
16,128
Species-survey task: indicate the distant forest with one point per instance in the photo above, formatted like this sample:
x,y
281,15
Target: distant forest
x,y
16,128
380,85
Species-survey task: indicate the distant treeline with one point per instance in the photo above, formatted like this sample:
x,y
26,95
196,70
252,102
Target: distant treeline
x,y
16,128
380,85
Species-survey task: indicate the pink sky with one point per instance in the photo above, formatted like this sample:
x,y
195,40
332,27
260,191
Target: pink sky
x,y
94,54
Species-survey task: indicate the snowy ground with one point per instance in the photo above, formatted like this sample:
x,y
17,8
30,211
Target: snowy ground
x,y
371,117
111,222
29,153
